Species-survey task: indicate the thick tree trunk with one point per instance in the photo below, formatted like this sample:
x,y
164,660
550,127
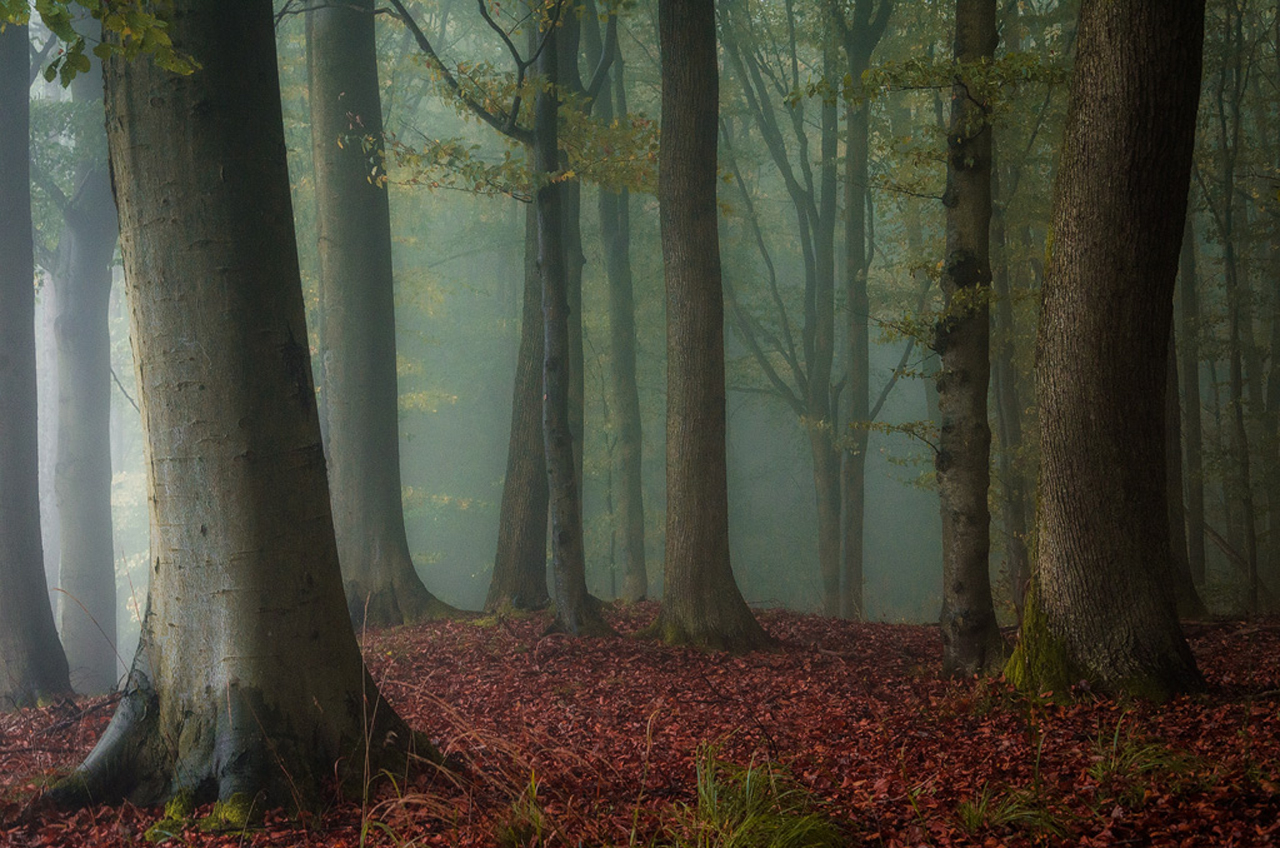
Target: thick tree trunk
x,y
701,603
1101,608
1192,432
82,473
248,684
615,232
576,611
520,564
32,665
971,641
358,339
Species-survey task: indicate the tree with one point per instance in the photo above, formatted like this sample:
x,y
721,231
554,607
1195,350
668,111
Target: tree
x,y
971,641
358,332
520,563
81,276
701,603
1100,607
32,664
248,683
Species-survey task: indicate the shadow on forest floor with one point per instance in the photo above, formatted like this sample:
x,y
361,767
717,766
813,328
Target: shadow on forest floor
x,y
618,742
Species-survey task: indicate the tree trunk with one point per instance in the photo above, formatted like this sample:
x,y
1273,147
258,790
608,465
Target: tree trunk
x,y
358,338
248,684
1189,355
859,37
1101,608
971,641
576,611
1185,596
1013,484
82,471
615,232
520,564
701,603
32,665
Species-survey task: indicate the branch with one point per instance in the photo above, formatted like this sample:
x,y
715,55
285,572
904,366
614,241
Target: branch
x,y
505,124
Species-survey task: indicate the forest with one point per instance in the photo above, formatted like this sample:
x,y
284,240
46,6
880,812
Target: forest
x,y
752,424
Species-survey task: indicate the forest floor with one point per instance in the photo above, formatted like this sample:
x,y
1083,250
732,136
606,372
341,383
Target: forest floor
x,y
621,742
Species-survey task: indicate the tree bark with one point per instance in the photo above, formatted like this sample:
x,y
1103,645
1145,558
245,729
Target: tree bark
x,y
971,641
358,337
520,564
701,603
615,232
1192,432
32,664
860,37
1101,608
82,470
1013,484
248,684
577,612
1185,596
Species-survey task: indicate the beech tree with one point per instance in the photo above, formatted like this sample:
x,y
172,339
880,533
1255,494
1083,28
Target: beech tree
x,y
358,327
1101,607
248,683
32,664
81,276
701,602
971,641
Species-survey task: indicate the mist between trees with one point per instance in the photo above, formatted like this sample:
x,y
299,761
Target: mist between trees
x,y
842,286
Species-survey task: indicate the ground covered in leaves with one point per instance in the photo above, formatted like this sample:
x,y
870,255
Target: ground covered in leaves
x,y
846,736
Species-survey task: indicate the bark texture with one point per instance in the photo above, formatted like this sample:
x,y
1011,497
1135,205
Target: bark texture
x,y
82,470
520,564
1101,607
971,641
32,665
358,335
576,611
701,603
248,684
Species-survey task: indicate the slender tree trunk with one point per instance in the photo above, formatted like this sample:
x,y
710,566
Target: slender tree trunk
x,y
1189,355
701,603
1185,596
358,340
576,611
82,474
32,665
520,565
1101,608
971,641
615,232
1013,483
860,37
248,684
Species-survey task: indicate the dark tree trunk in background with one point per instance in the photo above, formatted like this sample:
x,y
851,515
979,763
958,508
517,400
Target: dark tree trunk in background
x,y
859,38
576,611
32,665
1185,596
520,564
971,641
1101,607
1192,435
1013,484
615,232
248,684
358,337
82,470
701,603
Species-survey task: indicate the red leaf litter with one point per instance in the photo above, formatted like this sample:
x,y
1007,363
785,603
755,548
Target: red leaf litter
x,y
595,741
